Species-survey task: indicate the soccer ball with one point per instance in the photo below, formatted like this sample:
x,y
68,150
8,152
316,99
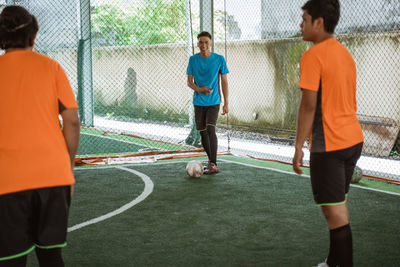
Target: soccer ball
x,y
357,175
194,169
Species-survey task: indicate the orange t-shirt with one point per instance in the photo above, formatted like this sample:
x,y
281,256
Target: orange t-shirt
x,y
33,152
329,69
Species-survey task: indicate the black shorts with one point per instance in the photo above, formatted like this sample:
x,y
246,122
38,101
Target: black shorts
x,y
331,174
205,115
33,218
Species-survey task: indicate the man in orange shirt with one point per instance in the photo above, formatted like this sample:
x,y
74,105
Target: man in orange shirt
x,y
327,113
36,154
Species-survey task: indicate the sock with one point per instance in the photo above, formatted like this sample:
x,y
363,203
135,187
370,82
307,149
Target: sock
x,y
341,247
49,257
205,142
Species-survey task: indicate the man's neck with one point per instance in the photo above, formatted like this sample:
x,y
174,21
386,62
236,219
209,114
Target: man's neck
x,y
16,49
322,38
205,54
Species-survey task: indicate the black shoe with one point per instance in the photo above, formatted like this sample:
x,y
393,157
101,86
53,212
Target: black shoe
x,y
211,169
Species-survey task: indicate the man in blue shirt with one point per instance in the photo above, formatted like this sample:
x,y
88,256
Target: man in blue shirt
x,y
203,77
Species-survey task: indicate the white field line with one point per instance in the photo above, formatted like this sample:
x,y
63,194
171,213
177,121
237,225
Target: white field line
x,y
371,165
249,165
148,189
94,167
307,176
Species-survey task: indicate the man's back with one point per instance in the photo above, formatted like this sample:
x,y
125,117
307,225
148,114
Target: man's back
x,y
330,69
33,150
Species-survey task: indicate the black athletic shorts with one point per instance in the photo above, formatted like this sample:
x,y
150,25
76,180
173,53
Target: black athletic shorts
x,y
205,115
33,218
331,174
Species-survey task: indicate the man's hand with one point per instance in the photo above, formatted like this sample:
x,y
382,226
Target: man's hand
x,y
205,90
305,119
298,161
225,109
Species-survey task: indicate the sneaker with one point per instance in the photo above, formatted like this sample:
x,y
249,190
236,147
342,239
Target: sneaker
x,y
323,264
211,169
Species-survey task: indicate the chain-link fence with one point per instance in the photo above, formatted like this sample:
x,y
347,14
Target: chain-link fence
x,y
127,65
263,48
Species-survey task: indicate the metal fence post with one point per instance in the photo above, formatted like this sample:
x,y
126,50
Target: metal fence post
x,y
207,18
85,82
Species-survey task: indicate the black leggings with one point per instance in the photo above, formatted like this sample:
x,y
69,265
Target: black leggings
x,y
210,143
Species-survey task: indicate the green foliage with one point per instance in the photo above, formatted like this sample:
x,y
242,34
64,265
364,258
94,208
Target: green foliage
x,y
233,31
295,51
160,22
286,55
155,22
112,23
396,148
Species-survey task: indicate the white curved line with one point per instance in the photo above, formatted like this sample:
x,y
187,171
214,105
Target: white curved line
x,y
148,189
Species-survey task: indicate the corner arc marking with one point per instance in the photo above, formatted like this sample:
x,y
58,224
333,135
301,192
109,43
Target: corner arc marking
x,y
148,189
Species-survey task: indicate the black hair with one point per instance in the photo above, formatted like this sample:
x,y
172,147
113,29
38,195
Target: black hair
x,y
18,28
329,10
204,34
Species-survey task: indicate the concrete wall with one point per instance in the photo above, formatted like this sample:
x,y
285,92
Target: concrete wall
x,y
378,69
160,72
263,75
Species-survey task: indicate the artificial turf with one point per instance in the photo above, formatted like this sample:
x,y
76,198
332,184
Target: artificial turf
x,y
243,216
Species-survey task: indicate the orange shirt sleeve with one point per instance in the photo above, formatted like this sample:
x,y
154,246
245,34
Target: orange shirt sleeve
x,y
310,71
64,91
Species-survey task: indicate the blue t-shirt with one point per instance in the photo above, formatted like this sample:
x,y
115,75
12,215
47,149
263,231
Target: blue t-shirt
x,y
205,72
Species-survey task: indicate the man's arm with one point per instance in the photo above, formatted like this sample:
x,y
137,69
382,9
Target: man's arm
x,y
305,120
225,92
71,132
203,90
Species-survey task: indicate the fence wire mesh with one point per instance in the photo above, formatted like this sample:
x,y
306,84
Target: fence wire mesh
x,y
127,65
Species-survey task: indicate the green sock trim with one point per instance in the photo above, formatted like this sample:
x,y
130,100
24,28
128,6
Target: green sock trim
x,y
53,246
332,204
212,125
18,255
202,130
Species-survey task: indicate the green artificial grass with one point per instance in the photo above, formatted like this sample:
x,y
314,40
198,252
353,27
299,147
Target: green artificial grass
x,y
95,142
242,216
95,145
364,182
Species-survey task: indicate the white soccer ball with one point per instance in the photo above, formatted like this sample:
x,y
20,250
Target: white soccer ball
x,y
194,169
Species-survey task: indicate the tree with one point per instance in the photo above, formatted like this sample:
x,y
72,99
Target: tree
x,y
233,31
110,23
156,22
